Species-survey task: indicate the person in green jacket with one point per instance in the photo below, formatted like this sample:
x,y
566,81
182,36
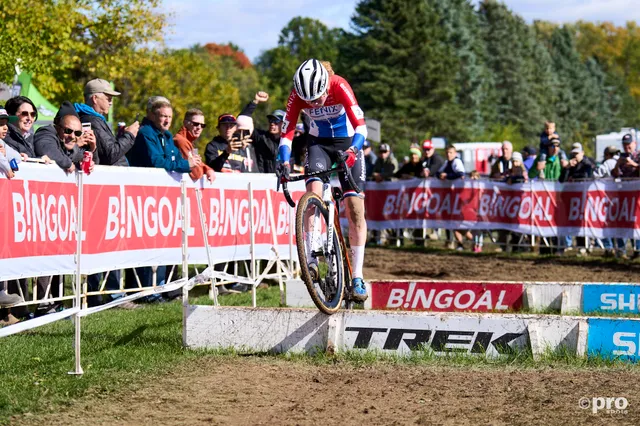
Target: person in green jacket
x,y
552,168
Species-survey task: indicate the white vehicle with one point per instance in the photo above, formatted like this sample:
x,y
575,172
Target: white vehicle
x,y
475,155
603,141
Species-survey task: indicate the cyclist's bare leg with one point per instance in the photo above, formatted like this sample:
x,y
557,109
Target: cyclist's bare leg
x,y
357,232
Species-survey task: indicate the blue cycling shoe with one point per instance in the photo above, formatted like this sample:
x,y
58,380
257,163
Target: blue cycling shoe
x,y
358,291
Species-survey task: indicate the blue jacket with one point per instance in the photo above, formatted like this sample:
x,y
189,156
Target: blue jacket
x,y
155,148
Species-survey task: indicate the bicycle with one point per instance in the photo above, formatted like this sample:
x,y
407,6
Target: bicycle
x,y
322,252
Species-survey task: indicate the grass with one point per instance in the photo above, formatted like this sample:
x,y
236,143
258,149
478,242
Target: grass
x,y
124,349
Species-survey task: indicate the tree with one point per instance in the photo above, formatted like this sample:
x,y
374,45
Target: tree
x,y
473,79
188,78
85,39
299,40
402,70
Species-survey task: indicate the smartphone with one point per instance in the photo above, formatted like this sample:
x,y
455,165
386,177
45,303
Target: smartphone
x,y
85,127
624,155
137,117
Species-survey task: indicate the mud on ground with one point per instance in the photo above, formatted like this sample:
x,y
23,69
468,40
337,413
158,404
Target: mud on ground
x,y
268,391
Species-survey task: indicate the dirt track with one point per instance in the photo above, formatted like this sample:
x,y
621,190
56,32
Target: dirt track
x,y
254,390
397,264
263,391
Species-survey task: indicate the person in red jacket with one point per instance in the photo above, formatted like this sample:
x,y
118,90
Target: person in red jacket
x,y
192,127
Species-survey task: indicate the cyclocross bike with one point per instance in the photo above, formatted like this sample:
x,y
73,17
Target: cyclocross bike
x,y
324,263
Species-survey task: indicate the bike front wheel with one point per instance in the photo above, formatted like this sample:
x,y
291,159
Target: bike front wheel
x,y
321,264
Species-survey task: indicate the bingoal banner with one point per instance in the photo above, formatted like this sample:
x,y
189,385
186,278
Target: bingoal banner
x,y
133,217
599,209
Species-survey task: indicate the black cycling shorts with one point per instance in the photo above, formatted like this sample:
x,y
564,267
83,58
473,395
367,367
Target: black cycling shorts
x,y
322,153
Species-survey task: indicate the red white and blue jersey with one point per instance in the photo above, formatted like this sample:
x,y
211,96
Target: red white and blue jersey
x,y
339,117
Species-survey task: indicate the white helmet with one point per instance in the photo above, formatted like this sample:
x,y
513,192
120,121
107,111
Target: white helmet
x,y
311,80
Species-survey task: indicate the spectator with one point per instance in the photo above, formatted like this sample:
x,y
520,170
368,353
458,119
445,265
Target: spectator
x,y
7,153
192,127
552,167
225,153
369,158
24,115
611,155
518,172
386,165
579,167
245,133
528,157
431,160
154,147
502,166
299,145
627,164
546,141
413,169
98,98
453,168
64,141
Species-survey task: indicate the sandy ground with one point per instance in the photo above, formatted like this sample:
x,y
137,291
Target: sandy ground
x,y
267,391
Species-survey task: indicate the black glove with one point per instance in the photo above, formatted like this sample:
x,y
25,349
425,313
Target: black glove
x,y
282,171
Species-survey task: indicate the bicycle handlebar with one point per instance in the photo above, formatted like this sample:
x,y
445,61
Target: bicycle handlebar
x,y
341,168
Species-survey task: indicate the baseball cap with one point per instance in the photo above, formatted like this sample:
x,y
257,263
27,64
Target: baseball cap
x,y
384,147
627,138
99,85
3,113
415,151
611,149
555,141
227,118
516,156
576,145
366,144
529,150
277,115
427,144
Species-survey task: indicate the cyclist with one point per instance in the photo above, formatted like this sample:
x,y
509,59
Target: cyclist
x,y
336,124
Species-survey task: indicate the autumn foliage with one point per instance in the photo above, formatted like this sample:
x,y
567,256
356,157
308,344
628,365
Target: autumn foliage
x,y
228,50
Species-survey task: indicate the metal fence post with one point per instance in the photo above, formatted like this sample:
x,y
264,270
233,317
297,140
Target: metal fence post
x,y
78,278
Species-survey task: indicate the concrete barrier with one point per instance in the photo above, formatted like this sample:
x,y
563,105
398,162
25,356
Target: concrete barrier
x,y
301,330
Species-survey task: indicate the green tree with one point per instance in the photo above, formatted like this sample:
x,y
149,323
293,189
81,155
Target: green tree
x,y
188,78
473,79
402,70
301,39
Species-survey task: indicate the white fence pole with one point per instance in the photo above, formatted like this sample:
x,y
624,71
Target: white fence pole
x,y
205,234
252,248
78,277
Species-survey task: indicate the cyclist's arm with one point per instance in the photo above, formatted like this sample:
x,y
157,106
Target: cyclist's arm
x,y
345,96
294,106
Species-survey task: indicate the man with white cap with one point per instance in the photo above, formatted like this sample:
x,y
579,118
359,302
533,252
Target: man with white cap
x,y
579,167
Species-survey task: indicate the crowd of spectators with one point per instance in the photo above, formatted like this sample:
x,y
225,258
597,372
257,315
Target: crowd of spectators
x,y
83,128
240,147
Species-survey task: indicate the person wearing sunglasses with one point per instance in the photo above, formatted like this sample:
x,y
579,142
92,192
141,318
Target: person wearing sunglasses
x,y
22,116
192,127
98,99
64,141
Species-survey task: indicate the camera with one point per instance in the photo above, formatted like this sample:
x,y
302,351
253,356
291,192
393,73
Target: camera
x,y
624,155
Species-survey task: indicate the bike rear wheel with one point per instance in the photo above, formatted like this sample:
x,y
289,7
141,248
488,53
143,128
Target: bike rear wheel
x,y
325,282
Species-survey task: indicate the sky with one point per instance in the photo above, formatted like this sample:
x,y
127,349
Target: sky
x,y
254,25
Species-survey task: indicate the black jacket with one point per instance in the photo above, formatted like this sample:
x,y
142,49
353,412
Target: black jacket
x,y
110,149
46,142
582,170
433,164
411,169
18,142
266,147
216,156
